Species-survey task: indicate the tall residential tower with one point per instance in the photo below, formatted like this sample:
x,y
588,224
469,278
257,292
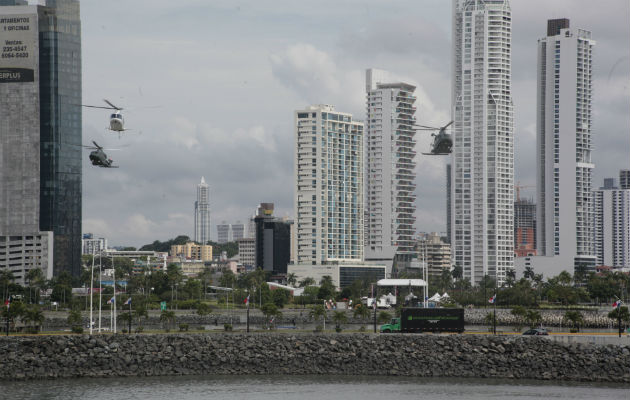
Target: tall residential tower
x,y
328,167
202,213
482,162
390,170
564,167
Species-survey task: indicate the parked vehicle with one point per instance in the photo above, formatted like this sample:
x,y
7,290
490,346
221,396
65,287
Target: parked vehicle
x,y
417,320
536,332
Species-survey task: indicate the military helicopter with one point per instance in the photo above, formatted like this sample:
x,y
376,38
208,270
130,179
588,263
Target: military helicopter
x,y
116,120
99,158
442,142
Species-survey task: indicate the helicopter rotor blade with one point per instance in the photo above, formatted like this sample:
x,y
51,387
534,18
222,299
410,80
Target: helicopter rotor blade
x,y
96,144
102,107
427,127
447,125
111,105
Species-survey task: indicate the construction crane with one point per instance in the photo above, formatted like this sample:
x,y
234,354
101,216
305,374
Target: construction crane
x,y
518,188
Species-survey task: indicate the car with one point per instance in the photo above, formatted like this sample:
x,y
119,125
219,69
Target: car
x,y
536,332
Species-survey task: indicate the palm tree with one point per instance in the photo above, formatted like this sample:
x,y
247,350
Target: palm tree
x,y
533,318
528,273
308,281
34,277
339,317
291,279
168,319
32,315
318,312
6,277
361,312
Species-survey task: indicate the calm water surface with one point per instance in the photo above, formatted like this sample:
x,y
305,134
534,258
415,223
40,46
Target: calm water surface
x,y
304,388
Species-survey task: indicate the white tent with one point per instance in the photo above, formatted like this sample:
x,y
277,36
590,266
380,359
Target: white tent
x,y
445,296
436,297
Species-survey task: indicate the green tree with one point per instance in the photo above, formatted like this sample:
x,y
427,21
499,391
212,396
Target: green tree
x,y
167,318
533,318
291,279
318,312
361,312
326,288
573,318
33,318
75,320
519,312
35,278
280,297
228,279
623,310
271,312
528,273
308,281
383,317
339,318
203,309
6,277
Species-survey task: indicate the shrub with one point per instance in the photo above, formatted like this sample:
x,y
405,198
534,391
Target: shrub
x,y
227,327
77,329
183,327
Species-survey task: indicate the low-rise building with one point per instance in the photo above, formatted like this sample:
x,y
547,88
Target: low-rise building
x,y
247,251
192,251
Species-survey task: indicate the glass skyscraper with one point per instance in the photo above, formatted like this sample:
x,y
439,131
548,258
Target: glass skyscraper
x,y
48,79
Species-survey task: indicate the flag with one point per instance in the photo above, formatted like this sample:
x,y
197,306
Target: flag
x,y
617,303
7,303
128,301
492,299
112,300
246,301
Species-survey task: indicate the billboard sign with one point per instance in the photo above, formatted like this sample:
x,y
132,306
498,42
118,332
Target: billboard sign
x,y
18,47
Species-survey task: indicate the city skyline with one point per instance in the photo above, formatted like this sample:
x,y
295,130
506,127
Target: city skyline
x,y
244,149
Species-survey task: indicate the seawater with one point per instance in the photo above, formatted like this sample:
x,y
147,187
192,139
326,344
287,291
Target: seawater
x,y
305,388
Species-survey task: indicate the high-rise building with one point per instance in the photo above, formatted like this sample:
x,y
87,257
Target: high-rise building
x,y
92,245
524,228
238,231
433,250
223,233
612,225
273,241
390,170
202,213
40,137
564,200
482,160
624,179
247,251
328,168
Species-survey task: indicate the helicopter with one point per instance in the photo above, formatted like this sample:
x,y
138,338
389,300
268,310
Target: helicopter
x,y
99,158
442,142
116,120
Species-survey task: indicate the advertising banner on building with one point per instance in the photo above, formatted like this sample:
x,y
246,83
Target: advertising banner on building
x,y
18,47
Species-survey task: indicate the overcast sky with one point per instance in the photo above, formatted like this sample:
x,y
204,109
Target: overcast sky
x,y
228,75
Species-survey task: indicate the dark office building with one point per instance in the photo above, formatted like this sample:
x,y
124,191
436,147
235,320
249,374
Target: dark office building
x,y
47,79
273,241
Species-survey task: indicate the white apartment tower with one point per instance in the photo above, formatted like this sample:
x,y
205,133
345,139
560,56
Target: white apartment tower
x,y
564,168
328,202
390,169
482,161
202,213
612,225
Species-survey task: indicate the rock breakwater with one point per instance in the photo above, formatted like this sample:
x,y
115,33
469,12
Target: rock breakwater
x,y
47,357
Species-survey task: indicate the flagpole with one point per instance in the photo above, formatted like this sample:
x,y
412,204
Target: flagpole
x,y
494,319
130,315
114,273
91,294
247,312
100,290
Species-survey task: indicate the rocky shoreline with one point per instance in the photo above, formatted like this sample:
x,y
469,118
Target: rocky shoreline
x,y
474,356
